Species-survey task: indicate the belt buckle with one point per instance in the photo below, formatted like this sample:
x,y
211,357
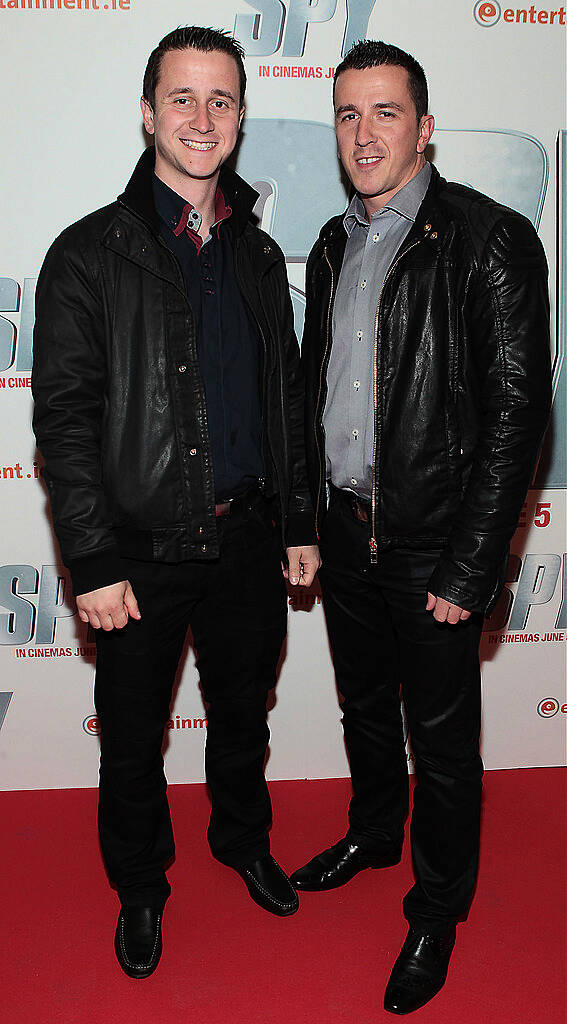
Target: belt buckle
x,y
360,511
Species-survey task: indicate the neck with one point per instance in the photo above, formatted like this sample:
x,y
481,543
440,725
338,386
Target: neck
x,y
372,204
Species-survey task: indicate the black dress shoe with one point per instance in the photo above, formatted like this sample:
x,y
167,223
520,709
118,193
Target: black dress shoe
x,y
270,887
337,865
138,940
419,972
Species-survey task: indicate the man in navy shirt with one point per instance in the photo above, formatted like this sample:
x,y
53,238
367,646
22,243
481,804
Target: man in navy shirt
x,y
169,410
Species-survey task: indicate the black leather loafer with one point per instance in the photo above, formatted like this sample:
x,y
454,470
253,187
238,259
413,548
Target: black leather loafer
x,y
270,887
419,972
337,865
138,940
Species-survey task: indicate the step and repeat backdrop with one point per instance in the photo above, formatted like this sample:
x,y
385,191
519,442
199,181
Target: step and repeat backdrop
x,y
71,73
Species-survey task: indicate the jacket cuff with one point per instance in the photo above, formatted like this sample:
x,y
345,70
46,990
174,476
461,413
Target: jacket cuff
x,y
101,569
300,530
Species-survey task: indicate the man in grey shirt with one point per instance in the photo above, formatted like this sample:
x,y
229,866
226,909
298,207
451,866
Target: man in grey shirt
x,y
369,253
426,356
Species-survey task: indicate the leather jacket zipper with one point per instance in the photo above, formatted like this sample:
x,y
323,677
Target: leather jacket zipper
x,y
327,343
372,542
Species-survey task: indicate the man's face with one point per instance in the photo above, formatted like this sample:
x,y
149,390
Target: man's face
x,y
380,141
196,118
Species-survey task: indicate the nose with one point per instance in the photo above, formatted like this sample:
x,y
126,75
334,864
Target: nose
x,y
201,120
364,132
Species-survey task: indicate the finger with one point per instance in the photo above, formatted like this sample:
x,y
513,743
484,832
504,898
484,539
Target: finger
x,y
453,615
441,610
106,622
431,599
294,568
285,571
83,615
130,604
309,570
120,618
94,620
465,615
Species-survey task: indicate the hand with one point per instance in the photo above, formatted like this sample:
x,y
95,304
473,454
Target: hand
x,y
303,563
444,611
108,607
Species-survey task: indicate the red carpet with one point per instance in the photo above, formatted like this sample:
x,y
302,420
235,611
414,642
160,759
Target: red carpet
x,y
228,962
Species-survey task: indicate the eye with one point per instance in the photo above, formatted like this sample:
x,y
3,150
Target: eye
x,y
181,100
219,105
347,117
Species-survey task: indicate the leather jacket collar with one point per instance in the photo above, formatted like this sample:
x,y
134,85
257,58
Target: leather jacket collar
x,y
430,223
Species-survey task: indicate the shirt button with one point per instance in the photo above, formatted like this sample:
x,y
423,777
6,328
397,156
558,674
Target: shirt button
x,y
375,237
355,434
353,481
201,530
360,335
363,284
182,368
356,384
192,451
203,547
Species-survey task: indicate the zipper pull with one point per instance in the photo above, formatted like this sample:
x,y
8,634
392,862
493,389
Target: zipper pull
x,y
373,551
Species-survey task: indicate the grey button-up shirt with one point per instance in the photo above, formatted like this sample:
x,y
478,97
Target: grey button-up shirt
x,y
348,417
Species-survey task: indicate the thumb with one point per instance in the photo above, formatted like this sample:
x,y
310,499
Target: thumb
x,y
293,561
130,603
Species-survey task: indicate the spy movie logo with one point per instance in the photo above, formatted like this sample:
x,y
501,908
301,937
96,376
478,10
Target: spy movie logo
x,y
487,13
91,726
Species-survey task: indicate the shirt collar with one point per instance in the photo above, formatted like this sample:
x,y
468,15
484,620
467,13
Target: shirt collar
x,y
175,211
405,203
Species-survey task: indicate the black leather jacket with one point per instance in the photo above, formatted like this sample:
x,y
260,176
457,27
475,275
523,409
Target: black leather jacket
x,y
463,384
120,413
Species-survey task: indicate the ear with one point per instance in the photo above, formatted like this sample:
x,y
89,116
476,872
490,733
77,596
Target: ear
x,y
148,115
426,126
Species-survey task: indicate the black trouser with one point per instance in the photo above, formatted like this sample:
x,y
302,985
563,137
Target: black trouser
x,y
384,643
236,608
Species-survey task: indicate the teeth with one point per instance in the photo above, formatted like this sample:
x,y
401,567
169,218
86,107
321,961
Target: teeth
x,y
197,145
369,160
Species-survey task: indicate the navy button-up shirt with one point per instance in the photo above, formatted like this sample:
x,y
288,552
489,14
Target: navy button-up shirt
x,y
228,347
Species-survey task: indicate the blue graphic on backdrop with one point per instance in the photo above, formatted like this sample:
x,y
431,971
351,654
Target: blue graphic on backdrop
x,y
552,469
284,158
5,699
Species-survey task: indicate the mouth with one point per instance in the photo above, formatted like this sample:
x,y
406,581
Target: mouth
x,y
367,161
201,147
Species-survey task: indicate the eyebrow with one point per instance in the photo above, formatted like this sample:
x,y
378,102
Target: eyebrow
x,y
388,104
185,90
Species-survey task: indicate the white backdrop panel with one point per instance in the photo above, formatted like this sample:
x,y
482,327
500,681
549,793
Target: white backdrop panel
x,y
71,133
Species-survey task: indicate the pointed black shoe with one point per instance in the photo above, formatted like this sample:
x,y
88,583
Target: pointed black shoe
x,y
137,941
337,865
269,886
419,972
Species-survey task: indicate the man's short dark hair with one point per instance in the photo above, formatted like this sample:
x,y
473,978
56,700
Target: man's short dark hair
x,y
372,53
192,37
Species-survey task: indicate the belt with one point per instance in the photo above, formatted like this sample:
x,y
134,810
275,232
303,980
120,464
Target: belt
x,y
251,497
360,508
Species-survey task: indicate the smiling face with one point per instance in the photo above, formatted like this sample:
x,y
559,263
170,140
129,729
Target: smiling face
x,y
196,118
380,141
